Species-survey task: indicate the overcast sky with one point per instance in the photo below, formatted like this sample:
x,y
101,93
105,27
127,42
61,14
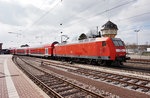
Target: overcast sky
x,y
36,22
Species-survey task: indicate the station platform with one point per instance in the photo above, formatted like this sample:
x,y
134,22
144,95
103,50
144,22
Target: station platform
x,y
139,57
14,83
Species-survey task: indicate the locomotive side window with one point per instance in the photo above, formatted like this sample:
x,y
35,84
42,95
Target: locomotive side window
x,y
103,43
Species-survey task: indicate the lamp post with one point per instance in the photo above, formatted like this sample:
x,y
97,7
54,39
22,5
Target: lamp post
x,y
61,32
137,38
63,35
97,30
17,41
15,33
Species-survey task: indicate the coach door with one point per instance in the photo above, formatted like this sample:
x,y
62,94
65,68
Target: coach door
x,y
29,51
25,51
46,51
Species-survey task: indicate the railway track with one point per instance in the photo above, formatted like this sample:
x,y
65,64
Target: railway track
x,y
134,83
54,86
139,61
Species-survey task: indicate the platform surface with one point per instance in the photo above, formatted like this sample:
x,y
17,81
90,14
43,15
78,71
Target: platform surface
x,y
14,84
139,57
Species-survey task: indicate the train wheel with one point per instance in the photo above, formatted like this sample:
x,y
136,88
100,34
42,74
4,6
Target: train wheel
x,y
120,63
93,62
117,63
102,63
89,61
108,63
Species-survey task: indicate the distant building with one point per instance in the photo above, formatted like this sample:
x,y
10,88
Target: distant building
x,y
1,47
109,29
148,49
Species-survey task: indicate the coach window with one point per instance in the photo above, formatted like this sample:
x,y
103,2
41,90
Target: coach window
x,y
103,43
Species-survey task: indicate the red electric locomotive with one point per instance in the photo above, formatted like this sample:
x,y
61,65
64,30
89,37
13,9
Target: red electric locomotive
x,y
104,50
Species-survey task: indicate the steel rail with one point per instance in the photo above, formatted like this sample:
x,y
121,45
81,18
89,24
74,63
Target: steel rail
x,y
55,94
109,78
69,83
50,63
144,60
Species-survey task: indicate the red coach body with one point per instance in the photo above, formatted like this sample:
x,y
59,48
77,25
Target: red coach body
x,y
20,51
45,50
12,51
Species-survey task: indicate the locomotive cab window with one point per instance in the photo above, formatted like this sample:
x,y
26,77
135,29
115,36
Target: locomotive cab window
x,y
120,43
103,43
117,42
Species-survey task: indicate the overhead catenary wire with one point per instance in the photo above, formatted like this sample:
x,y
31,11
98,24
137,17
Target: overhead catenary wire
x,y
46,13
42,16
100,13
107,11
42,4
135,16
93,5
133,28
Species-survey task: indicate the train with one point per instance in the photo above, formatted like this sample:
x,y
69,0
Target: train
x,y
102,50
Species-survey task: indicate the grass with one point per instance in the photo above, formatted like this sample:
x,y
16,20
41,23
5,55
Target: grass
x,y
146,53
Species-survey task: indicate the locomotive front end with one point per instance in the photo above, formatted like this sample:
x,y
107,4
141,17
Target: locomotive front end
x,y
120,50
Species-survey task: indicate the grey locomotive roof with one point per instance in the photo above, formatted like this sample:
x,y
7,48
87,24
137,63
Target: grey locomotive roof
x,y
109,25
84,41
